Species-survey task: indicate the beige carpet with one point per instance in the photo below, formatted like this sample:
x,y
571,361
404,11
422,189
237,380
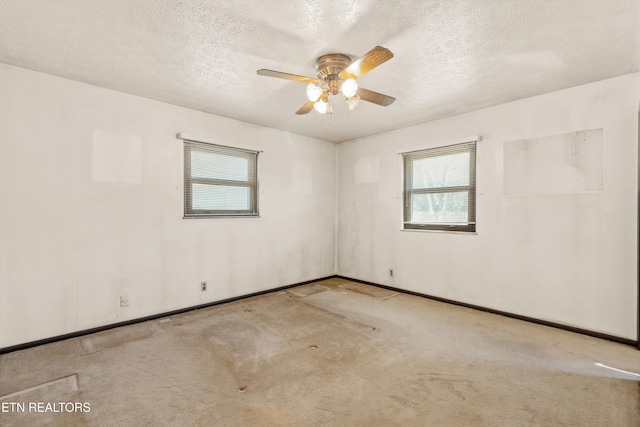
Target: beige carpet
x,y
333,353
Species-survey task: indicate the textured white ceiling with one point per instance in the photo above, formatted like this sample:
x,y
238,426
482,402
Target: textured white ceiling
x,y
451,56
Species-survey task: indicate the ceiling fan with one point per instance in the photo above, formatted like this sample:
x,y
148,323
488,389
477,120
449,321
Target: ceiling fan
x,y
337,73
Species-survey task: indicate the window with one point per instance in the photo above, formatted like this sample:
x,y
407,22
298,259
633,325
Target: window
x,y
219,181
440,188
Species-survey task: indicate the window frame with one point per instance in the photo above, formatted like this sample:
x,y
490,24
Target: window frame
x,y
408,191
252,182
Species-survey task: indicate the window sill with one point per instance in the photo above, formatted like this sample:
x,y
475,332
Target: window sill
x,y
221,217
412,230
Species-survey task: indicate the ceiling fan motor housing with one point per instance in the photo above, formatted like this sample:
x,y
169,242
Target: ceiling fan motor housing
x,y
329,66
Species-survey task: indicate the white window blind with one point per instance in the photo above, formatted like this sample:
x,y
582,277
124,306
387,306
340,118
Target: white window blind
x,y
440,188
219,180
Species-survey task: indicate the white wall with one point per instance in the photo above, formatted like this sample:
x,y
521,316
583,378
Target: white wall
x,y
70,246
569,258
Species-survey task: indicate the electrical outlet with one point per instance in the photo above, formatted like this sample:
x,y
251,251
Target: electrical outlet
x,y
391,272
203,286
124,301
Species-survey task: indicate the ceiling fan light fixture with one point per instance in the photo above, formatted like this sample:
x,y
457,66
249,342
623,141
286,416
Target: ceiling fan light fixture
x,y
353,102
313,92
349,88
321,106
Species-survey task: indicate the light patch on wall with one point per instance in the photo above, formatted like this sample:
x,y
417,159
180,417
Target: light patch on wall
x,y
559,164
301,177
117,158
367,170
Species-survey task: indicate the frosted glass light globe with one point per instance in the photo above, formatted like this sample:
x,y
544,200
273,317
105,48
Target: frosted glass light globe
x,y
313,92
321,107
353,102
349,88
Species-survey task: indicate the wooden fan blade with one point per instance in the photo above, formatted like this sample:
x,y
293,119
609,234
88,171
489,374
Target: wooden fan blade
x,y
368,62
375,97
287,76
306,108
